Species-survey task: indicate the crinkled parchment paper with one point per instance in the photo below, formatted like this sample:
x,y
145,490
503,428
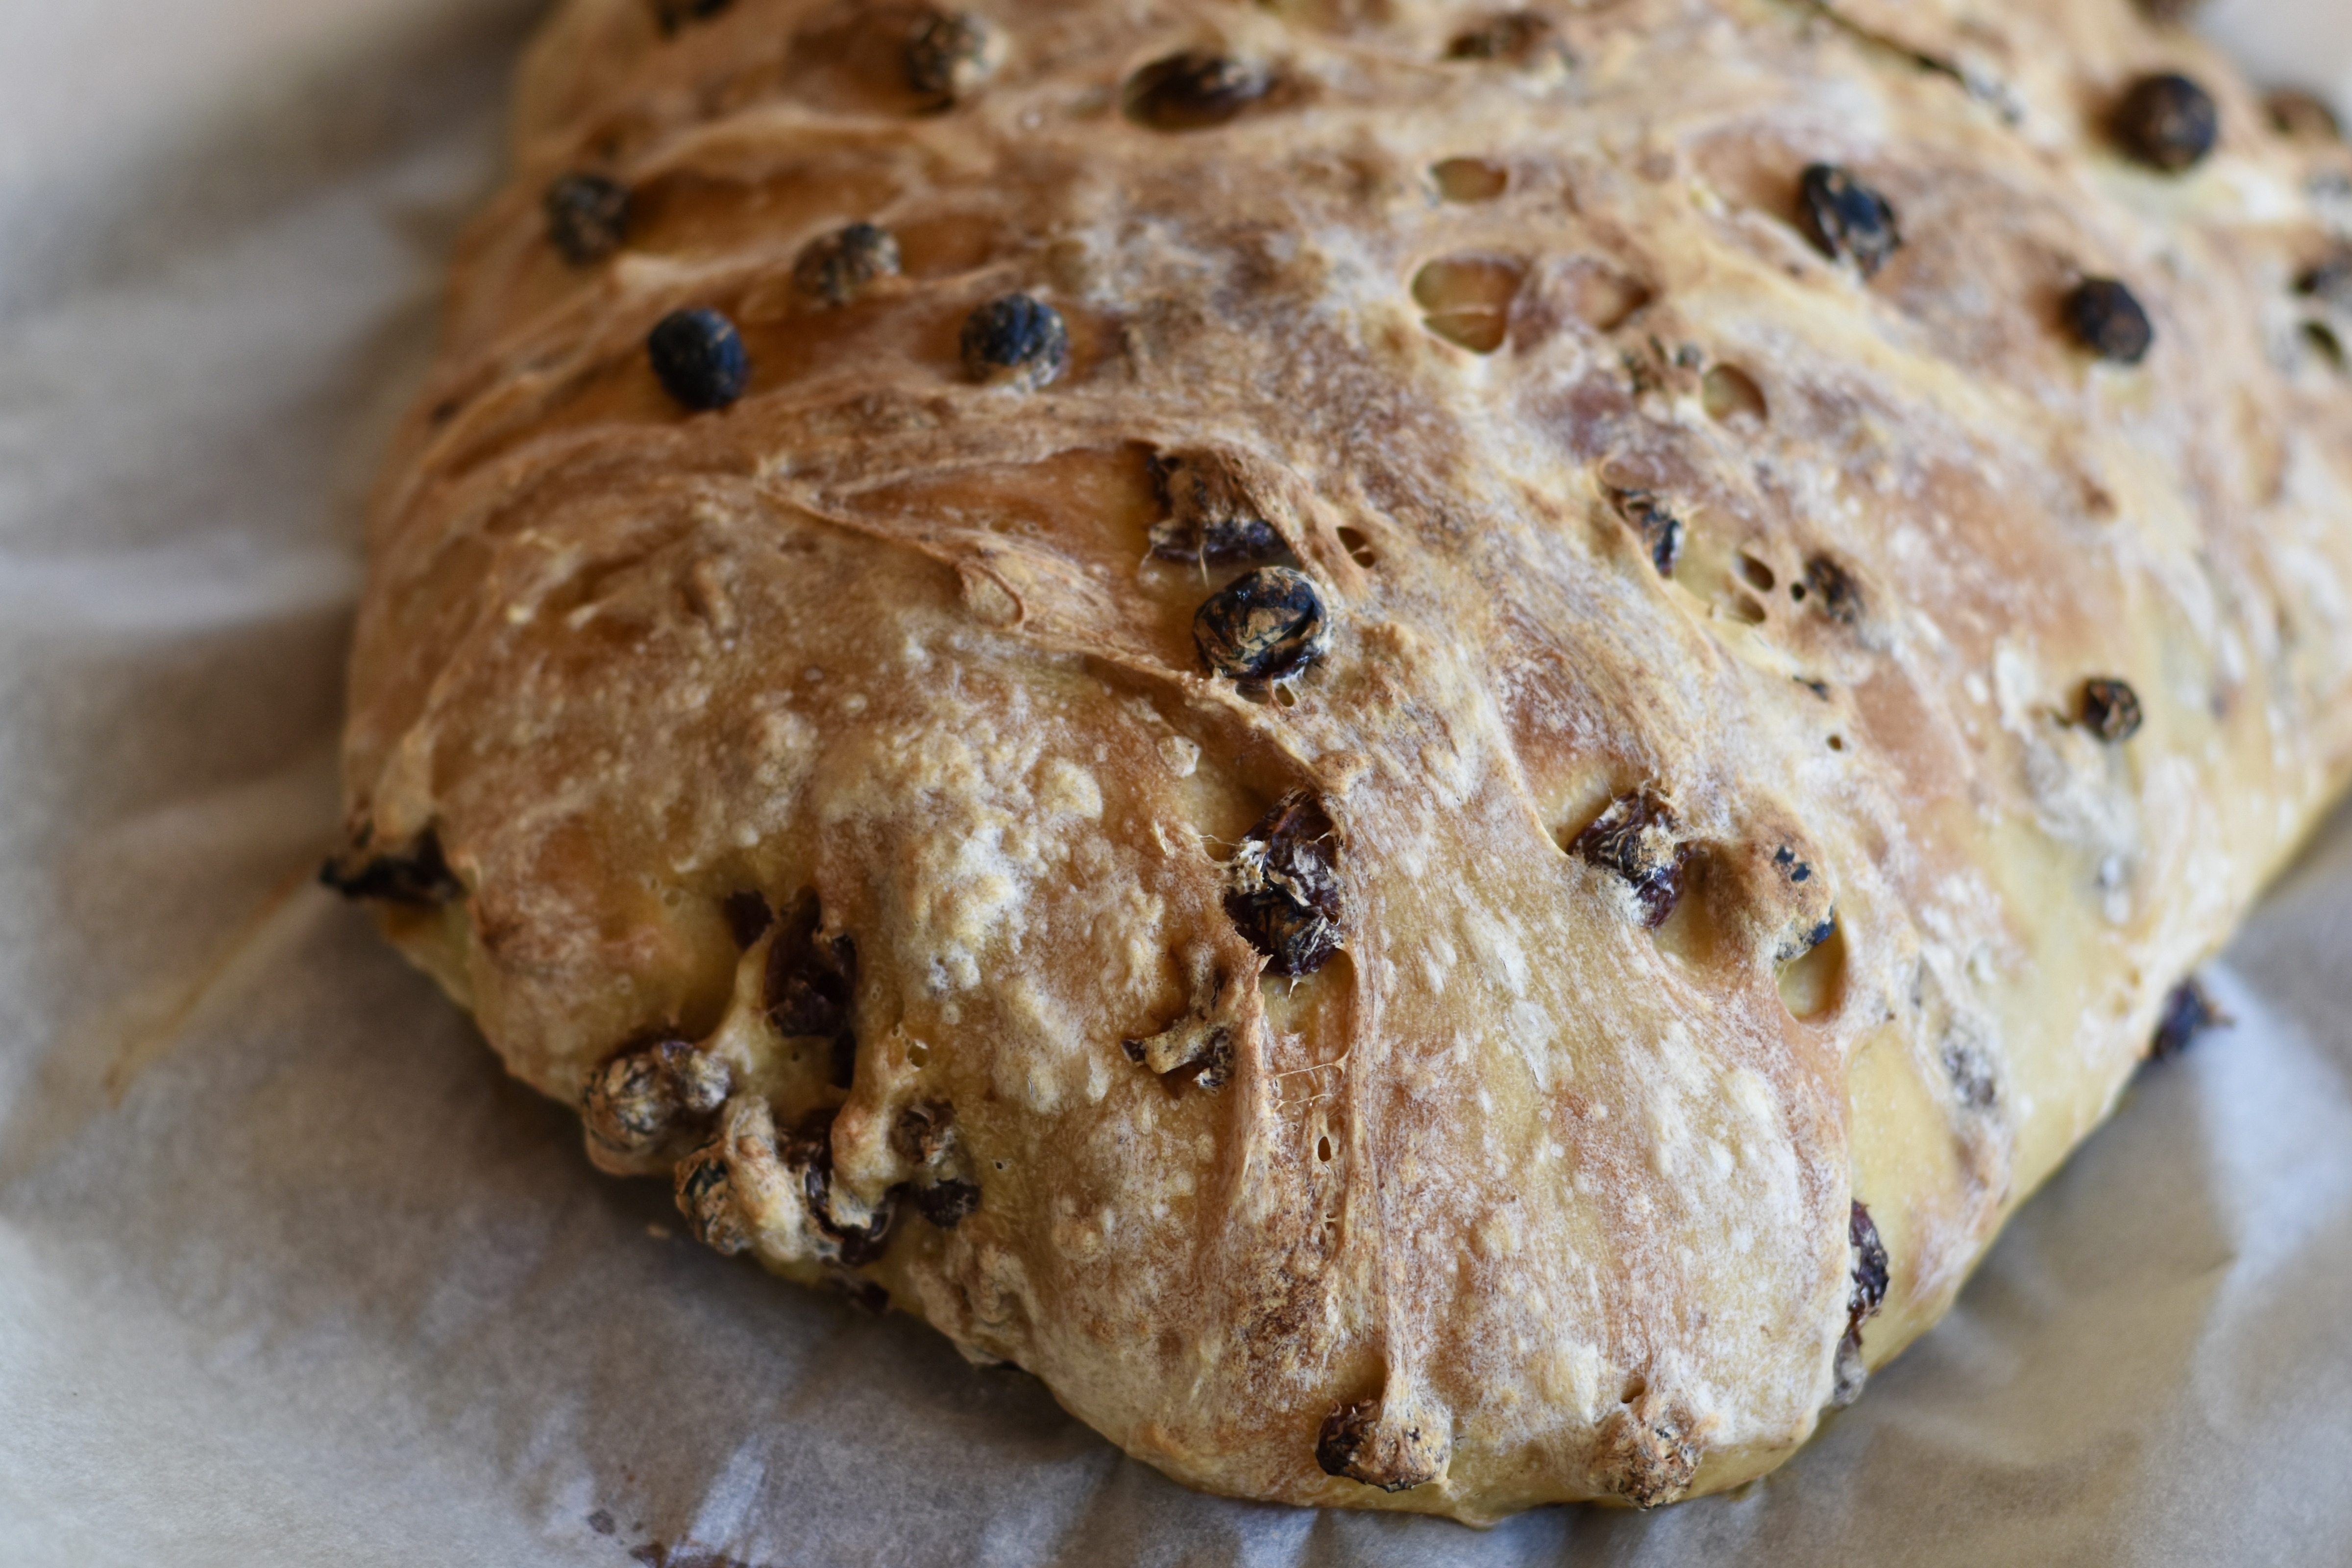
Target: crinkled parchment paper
x,y
290,1274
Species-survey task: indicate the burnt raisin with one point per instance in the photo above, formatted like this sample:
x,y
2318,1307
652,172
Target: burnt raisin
x,y
1015,342
2110,710
2107,319
1662,532
672,15
950,55
643,1096
838,268
1357,1444
700,359
2167,121
1517,37
1282,886
808,1149
748,917
1834,591
810,982
946,1204
1638,839
1195,90
1266,625
1211,519
1849,220
1868,1292
2187,1012
587,217
418,877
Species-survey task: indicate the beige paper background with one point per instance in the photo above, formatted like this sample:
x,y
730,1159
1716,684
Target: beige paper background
x,y
289,1274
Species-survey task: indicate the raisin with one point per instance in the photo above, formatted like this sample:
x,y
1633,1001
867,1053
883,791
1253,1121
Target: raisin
x,y
705,1196
748,917
418,877
1266,625
1662,532
946,1204
1015,342
700,359
1282,890
1868,1291
950,53
2107,318
587,217
811,982
1637,837
1195,90
1357,1444
1971,1074
809,1150
2187,1012
1517,37
2110,709
1850,221
672,15
1211,520
646,1095
837,267
2167,121
924,1133
1834,591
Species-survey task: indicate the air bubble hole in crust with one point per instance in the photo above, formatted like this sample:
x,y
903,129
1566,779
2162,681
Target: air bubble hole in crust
x,y
1323,1150
1743,608
1730,393
1759,575
1358,548
1837,742
1469,179
1636,1385
1810,986
1468,300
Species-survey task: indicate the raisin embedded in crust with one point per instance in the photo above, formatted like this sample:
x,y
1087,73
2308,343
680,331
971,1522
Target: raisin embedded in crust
x,y
1847,219
416,878
1193,91
587,217
1017,342
1639,838
2167,121
839,266
646,1095
1266,625
700,359
1282,886
2107,319
1360,1443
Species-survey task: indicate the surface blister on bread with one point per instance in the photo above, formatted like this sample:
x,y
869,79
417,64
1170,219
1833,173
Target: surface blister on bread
x,y
1425,1040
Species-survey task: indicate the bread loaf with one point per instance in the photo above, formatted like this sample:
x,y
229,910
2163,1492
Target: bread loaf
x,y
1429,748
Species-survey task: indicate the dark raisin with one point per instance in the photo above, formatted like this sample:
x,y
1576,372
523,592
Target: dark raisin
x,y
1357,1444
587,217
1868,1293
2107,319
705,1196
810,982
808,1149
1662,532
924,1133
748,917
1015,342
837,267
1193,91
1192,1045
646,1095
2110,709
1638,839
418,877
2330,282
1850,221
1834,591
2187,1012
950,55
700,359
1517,37
2167,121
2303,116
1211,519
672,15
946,1204
1266,625
1282,890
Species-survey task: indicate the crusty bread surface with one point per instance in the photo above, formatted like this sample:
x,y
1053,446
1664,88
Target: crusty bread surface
x,y
1776,712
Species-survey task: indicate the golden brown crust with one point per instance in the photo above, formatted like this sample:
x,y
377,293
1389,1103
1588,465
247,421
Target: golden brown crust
x,y
1540,1186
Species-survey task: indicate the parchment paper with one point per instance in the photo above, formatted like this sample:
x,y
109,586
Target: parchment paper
x,y
290,1274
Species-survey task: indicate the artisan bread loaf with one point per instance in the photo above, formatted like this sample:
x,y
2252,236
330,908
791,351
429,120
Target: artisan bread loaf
x,y
1429,748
